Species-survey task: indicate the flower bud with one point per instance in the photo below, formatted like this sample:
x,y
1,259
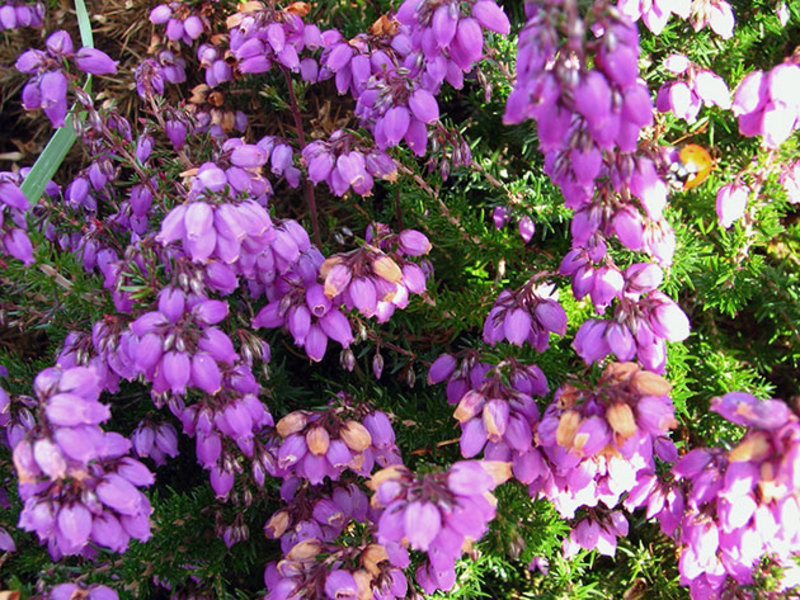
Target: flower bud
x,y
620,416
277,525
318,440
755,447
294,422
305,550
386,268
567,427
390,473
650,384
356,436
469,406
372,555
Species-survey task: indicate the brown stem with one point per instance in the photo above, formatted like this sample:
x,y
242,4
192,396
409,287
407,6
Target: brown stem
x,y
301,137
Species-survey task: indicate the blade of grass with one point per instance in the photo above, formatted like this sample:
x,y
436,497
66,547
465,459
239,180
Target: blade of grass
x,y
61,141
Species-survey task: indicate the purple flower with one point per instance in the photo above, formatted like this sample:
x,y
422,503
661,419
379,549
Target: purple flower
x,y
96,62
340,585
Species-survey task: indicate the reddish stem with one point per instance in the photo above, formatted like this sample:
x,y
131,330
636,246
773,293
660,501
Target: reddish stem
x,y
301,137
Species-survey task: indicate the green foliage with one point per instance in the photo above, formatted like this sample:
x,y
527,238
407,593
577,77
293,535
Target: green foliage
x,y
740,287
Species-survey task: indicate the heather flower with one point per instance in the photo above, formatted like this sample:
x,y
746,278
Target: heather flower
x,y
14,16
530,314
655,13
435,513
717,14
13,223
316,445
48,87
94,61
599,443
79,451
731,203
180,24
696,86
67,591
740,504
764,105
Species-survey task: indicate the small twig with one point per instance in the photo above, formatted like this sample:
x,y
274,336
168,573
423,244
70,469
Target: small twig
x,y
442,206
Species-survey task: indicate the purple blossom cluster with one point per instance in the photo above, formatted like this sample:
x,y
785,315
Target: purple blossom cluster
x,y
181,23
153,72
529,314
318,569
76,481
343,162
597,443
655,14
14,14
571,103
374,279
48,87
741,504
438,513
155,440
766,106
501,215
70,591
643,320
13,223
695,87
312,512
319,444
262,36
499,419
578,78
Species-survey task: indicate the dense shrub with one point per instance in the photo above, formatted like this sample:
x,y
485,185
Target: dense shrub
x,y
453,298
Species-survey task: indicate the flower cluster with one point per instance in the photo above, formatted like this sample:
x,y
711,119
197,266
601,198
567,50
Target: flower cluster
x,y
525,225
13,224
48,87
375,279
181,23
655,14
438,513
643,318
343,163
317,569
766,106
743,503
695,87
499,419
155,440
76,481
153,72
717,14
598,442
262,36
319,444
529,314
311,512
69,591
14,15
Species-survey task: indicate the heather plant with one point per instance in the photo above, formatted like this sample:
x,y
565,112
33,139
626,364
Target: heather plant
x,y
438,295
